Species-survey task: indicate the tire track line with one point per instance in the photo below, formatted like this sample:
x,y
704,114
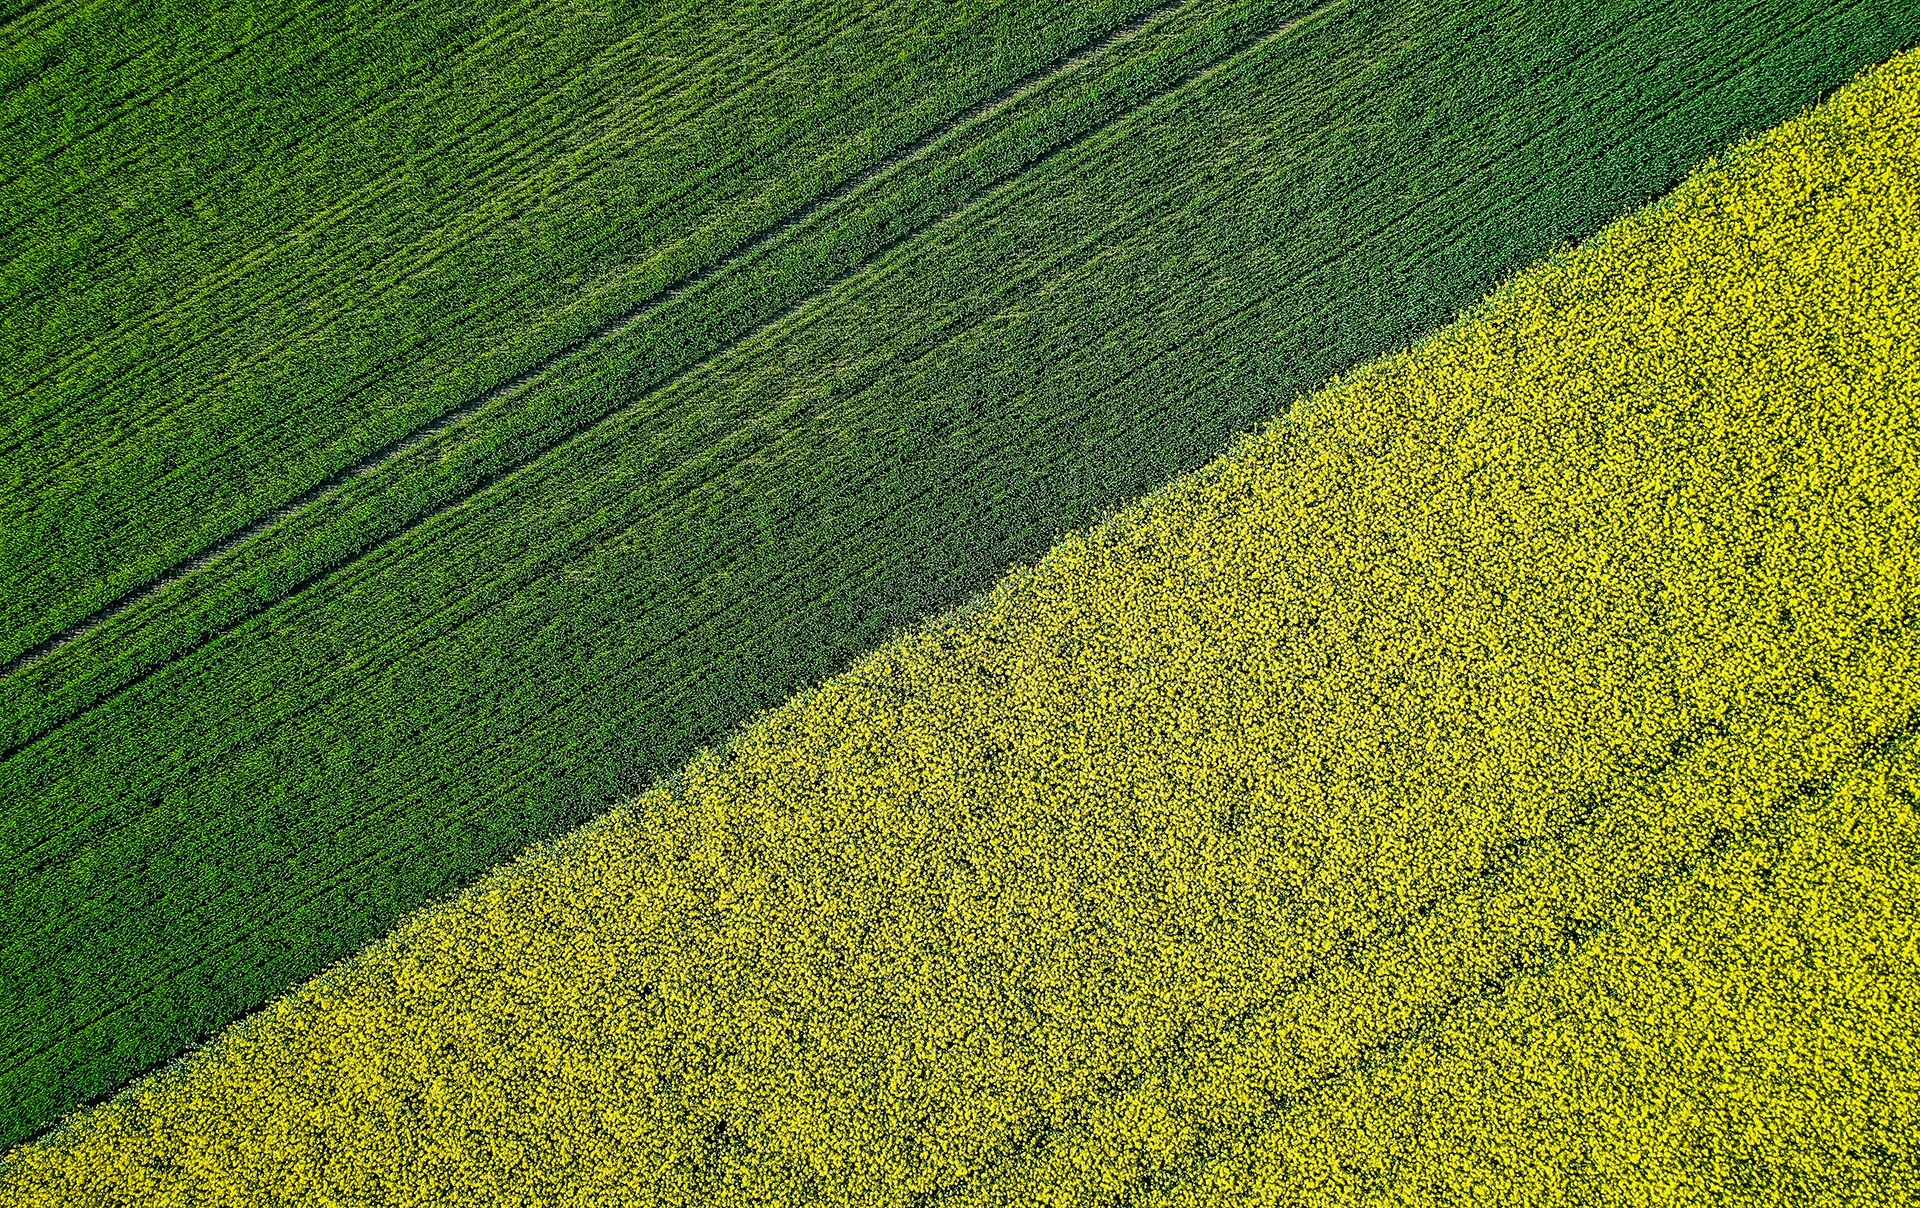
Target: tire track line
x,y
614,327
1635,888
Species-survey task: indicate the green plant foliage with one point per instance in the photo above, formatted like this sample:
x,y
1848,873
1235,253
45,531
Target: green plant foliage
x,y
251,245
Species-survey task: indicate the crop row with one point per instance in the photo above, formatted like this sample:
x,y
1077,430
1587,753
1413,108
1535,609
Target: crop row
x,y
1492,677
219,827
223,320
772,275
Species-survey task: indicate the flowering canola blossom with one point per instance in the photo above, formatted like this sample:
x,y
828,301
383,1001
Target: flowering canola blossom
x,y
1494,781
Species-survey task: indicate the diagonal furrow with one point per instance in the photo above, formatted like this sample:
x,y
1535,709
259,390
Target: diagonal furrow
x,y
611,329
296,506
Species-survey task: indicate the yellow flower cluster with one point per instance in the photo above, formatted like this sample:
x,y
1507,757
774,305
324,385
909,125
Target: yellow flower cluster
x,y
1489,783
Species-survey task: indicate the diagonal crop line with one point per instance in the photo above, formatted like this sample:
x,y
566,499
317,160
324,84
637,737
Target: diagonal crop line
x,y
500,25
609,329
1427,490
1145,305
17,14
615,326
23,20
1683,749
1713,850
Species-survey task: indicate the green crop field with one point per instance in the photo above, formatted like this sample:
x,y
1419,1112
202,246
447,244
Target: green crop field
x,y
1494,781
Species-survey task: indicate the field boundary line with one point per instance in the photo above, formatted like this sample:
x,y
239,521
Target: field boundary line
x,y
1207,332
696,623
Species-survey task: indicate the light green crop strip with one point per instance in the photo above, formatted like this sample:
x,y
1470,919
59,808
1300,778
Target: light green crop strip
x,y
1142,874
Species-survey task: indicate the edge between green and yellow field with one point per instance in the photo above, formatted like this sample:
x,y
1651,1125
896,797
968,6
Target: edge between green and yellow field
x,y
1078,266
1185,858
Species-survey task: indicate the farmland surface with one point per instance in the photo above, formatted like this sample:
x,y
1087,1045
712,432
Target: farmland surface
x,y
1493,782
427,425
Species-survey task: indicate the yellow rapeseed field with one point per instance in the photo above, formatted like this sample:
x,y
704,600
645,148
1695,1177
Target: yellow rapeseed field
x,y
1744,1034
1491,784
